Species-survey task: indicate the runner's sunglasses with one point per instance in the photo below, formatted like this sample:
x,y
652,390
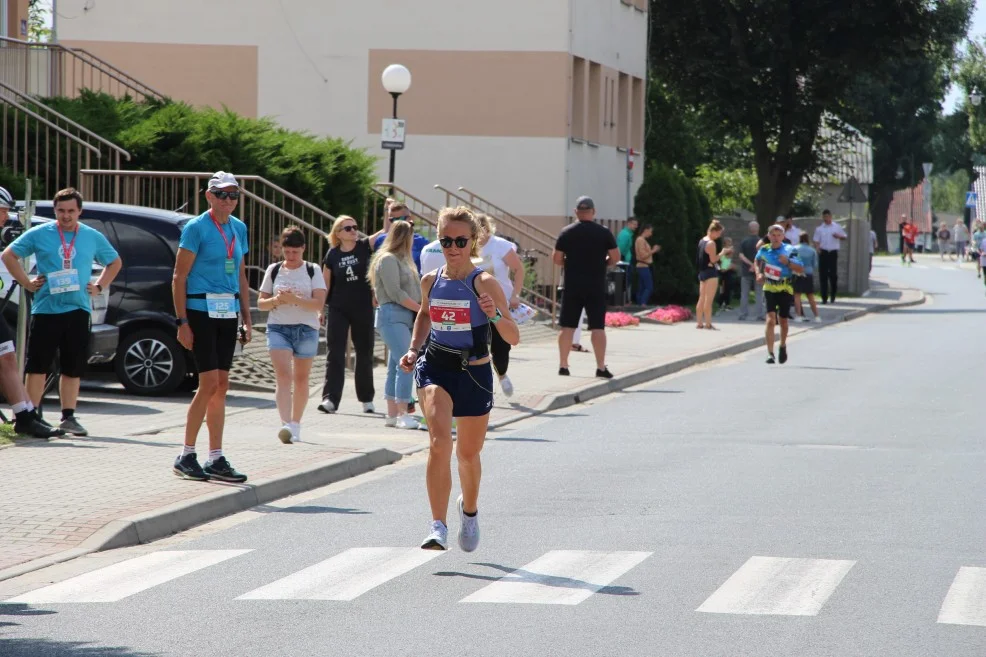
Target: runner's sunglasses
x,y
222,196
460,242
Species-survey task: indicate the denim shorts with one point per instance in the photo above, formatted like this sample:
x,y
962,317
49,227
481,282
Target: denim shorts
x,y
301,339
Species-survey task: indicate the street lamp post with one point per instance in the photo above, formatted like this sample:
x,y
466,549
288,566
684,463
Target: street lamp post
x,y
396,80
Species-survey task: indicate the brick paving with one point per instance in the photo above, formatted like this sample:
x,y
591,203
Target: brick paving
x,y
56,494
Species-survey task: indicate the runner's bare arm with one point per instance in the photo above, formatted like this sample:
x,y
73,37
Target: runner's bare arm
x,y
179,290
710,250
558,257
505,326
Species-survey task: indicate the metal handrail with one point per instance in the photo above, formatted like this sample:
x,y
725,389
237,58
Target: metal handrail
x,y
117,72
62,117
496,208
53,126
287,215
549,246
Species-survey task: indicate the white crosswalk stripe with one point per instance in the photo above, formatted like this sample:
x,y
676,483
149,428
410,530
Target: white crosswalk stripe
x,y
965,603
778,586
345,576
560,577
121,580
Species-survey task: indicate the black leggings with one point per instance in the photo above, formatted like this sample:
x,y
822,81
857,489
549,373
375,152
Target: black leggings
x,y
500,351
339,324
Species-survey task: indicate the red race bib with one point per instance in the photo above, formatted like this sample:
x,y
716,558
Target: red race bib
x,y
450,315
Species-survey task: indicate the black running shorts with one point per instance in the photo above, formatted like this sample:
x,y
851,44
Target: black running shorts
x,y
65,333
779,302
213,341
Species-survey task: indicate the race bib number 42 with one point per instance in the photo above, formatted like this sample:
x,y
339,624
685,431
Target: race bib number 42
x,y
450,315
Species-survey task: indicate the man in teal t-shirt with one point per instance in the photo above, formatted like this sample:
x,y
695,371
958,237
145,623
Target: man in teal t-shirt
x,y
776,265
65,251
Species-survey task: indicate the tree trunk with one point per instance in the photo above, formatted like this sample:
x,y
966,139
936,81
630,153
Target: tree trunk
x,y
880,198
774,197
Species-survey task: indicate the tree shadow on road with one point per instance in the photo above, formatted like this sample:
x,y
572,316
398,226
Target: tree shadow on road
x,y
521,576
48,648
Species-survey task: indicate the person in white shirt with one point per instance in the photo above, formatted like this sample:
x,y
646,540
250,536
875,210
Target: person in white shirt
x,y
293,292
827,239
432,257
960,233
792,234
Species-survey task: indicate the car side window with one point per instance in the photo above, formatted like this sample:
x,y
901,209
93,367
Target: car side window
x,y
142,248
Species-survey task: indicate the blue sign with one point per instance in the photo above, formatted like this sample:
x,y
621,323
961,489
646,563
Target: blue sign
x,y
970,199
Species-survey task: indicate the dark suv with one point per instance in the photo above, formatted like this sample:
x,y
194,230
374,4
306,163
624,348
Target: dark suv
x,y
149,360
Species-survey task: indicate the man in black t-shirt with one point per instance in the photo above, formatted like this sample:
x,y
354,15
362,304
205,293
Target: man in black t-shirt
x,y
586,250
748,276
350,308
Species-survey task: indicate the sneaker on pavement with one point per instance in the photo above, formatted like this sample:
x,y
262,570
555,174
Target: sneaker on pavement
x,y
782,354
368,407
604,373
437,539
507,385
805,319
407,422
327,406
187,467
468,529
770,359
390,422
32,425
563,371
818,320
222,470
285,435
72,426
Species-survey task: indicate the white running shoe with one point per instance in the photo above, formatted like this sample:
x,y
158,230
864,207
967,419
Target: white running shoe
x,y
295,432
805,319
507,385
368,407
327,406
390,422
405,421
437,539
468,529
818,320
285,434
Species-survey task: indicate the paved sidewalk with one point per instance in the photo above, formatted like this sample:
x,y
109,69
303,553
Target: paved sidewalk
x,y
62,498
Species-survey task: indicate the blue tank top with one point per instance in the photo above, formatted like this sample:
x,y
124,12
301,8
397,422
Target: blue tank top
x,y
457,321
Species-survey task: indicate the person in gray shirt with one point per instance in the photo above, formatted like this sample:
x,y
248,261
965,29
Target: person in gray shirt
x,y
748,276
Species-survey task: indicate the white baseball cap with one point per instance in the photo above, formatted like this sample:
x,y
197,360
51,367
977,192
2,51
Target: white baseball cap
x,y
221,179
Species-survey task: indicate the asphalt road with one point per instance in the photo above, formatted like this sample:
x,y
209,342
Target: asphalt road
x,y
830,506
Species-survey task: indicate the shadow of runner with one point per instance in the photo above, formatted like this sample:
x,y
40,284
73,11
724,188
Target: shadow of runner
x,y
527,577
49,648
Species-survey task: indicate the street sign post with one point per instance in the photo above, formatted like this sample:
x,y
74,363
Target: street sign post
x,y
970,199
392,134
852,192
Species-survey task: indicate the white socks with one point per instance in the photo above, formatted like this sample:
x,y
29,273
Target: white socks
x,y
215,454
186,450
22,406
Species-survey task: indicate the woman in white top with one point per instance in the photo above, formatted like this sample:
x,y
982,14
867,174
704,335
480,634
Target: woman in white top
x,y
500,259
293,292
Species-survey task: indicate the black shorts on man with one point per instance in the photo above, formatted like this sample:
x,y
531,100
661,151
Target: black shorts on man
x,y
574,301
65,333
213,340
779,303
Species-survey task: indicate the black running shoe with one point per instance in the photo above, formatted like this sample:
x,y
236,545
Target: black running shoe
x,y
30,424
782,356
222,470
72,426
563,371
187,467
770,359
604,373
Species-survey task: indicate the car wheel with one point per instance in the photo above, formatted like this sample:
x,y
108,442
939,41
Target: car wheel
x,y
150,362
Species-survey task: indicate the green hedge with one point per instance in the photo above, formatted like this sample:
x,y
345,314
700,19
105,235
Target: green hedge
x,y
170,136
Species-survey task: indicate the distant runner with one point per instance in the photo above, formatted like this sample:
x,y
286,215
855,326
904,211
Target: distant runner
x,y
777,263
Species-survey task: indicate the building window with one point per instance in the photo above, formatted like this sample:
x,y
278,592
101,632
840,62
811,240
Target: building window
x,y
595,101
625,112
637,119
578,97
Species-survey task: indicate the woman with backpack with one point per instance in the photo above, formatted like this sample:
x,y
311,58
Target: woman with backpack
x,y
293,293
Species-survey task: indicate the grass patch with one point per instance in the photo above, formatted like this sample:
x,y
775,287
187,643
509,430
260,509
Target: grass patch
x,y
7,434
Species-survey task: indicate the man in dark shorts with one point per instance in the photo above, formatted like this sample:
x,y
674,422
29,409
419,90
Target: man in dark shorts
x,y
585,250
777,263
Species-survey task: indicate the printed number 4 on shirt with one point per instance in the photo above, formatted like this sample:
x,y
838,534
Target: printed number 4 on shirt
x,y
350,276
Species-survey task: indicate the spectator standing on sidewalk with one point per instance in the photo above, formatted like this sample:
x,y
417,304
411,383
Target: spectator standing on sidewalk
x,y
804,284
707,265
397,286
792,234
65,250
585,250
960,233
350,311
944,239
748,273
978,235
828,237
625,242
644,252
727,275
293,292
400,212
872,247
210,289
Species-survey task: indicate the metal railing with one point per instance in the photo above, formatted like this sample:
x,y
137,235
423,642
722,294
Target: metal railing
x,y
425,215
52,69
532,248
266,208
516,224
50,148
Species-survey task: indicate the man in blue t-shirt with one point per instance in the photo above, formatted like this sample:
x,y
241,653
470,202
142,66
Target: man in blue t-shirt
x,y
776,265
400,212
211,292
65,251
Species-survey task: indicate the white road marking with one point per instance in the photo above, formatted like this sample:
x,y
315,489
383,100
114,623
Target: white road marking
x,y
560,577
965,603
121,580
345,576
778,586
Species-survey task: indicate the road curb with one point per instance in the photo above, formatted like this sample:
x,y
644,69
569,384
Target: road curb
x,y
616,384
153,525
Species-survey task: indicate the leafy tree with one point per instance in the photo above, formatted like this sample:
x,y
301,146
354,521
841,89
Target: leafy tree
x,y
948,191
727,191
773,69
38,12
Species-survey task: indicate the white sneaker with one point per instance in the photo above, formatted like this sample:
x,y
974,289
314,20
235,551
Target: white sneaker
x,y
390,422
437,539
368,407
805,319
818,320
285,434
407,422
468,529
295,432
327,406
507,385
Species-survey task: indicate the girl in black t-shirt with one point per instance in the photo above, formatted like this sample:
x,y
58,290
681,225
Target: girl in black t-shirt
x,y
350,309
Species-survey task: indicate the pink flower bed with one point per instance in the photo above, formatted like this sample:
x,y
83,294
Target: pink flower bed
x,y
670,314
614,320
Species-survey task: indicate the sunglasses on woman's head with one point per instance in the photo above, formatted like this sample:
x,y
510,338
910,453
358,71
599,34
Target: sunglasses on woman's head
x,y
460,242
222,196
348,229
405,217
